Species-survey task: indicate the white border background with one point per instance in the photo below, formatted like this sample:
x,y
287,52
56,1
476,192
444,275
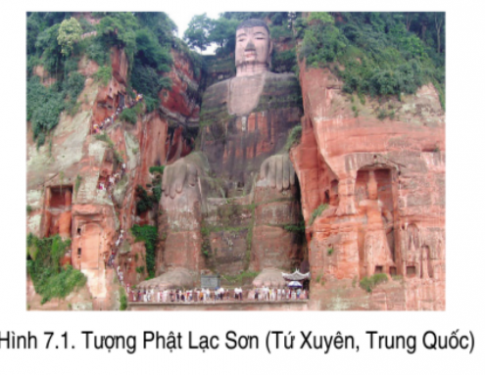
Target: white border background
x,y
464,244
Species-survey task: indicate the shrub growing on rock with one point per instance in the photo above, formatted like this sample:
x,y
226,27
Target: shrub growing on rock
x,y
49,278
129,115
149,235
367,283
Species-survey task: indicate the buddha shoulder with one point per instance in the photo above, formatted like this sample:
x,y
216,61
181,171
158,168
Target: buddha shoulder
x,y
216,94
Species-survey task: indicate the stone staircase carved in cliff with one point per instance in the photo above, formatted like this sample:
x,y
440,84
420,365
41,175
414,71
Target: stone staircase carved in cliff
x,y
87,192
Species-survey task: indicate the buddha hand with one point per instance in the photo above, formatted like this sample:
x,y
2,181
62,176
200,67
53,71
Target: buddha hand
x,y
181,174
278,171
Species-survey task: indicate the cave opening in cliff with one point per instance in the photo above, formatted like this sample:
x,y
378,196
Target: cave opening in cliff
x,y
60,197
411,271
58,211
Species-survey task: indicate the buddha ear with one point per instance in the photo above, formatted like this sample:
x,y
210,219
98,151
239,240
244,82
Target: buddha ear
x,y
270,53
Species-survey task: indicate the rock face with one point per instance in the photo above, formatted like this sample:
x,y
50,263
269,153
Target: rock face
x,y
119,65
181,99
65,180
370,188
180,106
384,184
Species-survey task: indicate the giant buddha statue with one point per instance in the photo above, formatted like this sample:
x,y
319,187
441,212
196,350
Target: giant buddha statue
x,y
227,204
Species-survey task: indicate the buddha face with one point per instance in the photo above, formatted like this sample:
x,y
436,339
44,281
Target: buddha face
x,y
253,46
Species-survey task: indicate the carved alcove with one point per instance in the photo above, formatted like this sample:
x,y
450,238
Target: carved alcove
x,y
426,266
418,255
375,201
57,216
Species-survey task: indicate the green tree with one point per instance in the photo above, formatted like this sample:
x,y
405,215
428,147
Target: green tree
x,y
36,95
73,85
46,116
33,30
150,53
439,20
149,235
145,80
198,32
160,25
245,15
50,48
70,33
52,18
223,33
151,59
118,29
321,17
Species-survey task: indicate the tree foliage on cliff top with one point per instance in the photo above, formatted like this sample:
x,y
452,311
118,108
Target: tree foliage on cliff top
x,y
380,53
117,29
54,41
70,32
146,39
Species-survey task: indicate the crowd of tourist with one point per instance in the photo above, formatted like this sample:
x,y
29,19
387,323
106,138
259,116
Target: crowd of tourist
x,y
113,254
203,295
110,181
97,128
206,295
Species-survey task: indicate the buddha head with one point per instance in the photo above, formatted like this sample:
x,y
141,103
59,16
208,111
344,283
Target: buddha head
x,y
253,47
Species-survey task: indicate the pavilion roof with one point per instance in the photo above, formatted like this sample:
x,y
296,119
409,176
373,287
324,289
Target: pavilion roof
x,y
296,276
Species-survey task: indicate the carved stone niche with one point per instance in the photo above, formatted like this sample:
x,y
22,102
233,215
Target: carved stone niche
x,y
374,198
419,258
57,213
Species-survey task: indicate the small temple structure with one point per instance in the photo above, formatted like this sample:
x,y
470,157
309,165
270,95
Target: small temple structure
x,y
296,276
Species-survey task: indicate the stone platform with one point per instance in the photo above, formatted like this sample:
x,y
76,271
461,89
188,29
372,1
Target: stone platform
x,y
221,306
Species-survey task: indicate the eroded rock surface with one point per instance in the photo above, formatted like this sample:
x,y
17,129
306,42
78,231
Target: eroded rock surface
x,y
340,161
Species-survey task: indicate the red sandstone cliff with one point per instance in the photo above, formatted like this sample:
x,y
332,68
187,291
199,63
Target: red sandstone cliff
x,y
64,178
343,147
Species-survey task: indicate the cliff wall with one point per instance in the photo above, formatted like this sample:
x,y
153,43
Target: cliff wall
x,y
371,176
347,145
83,185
